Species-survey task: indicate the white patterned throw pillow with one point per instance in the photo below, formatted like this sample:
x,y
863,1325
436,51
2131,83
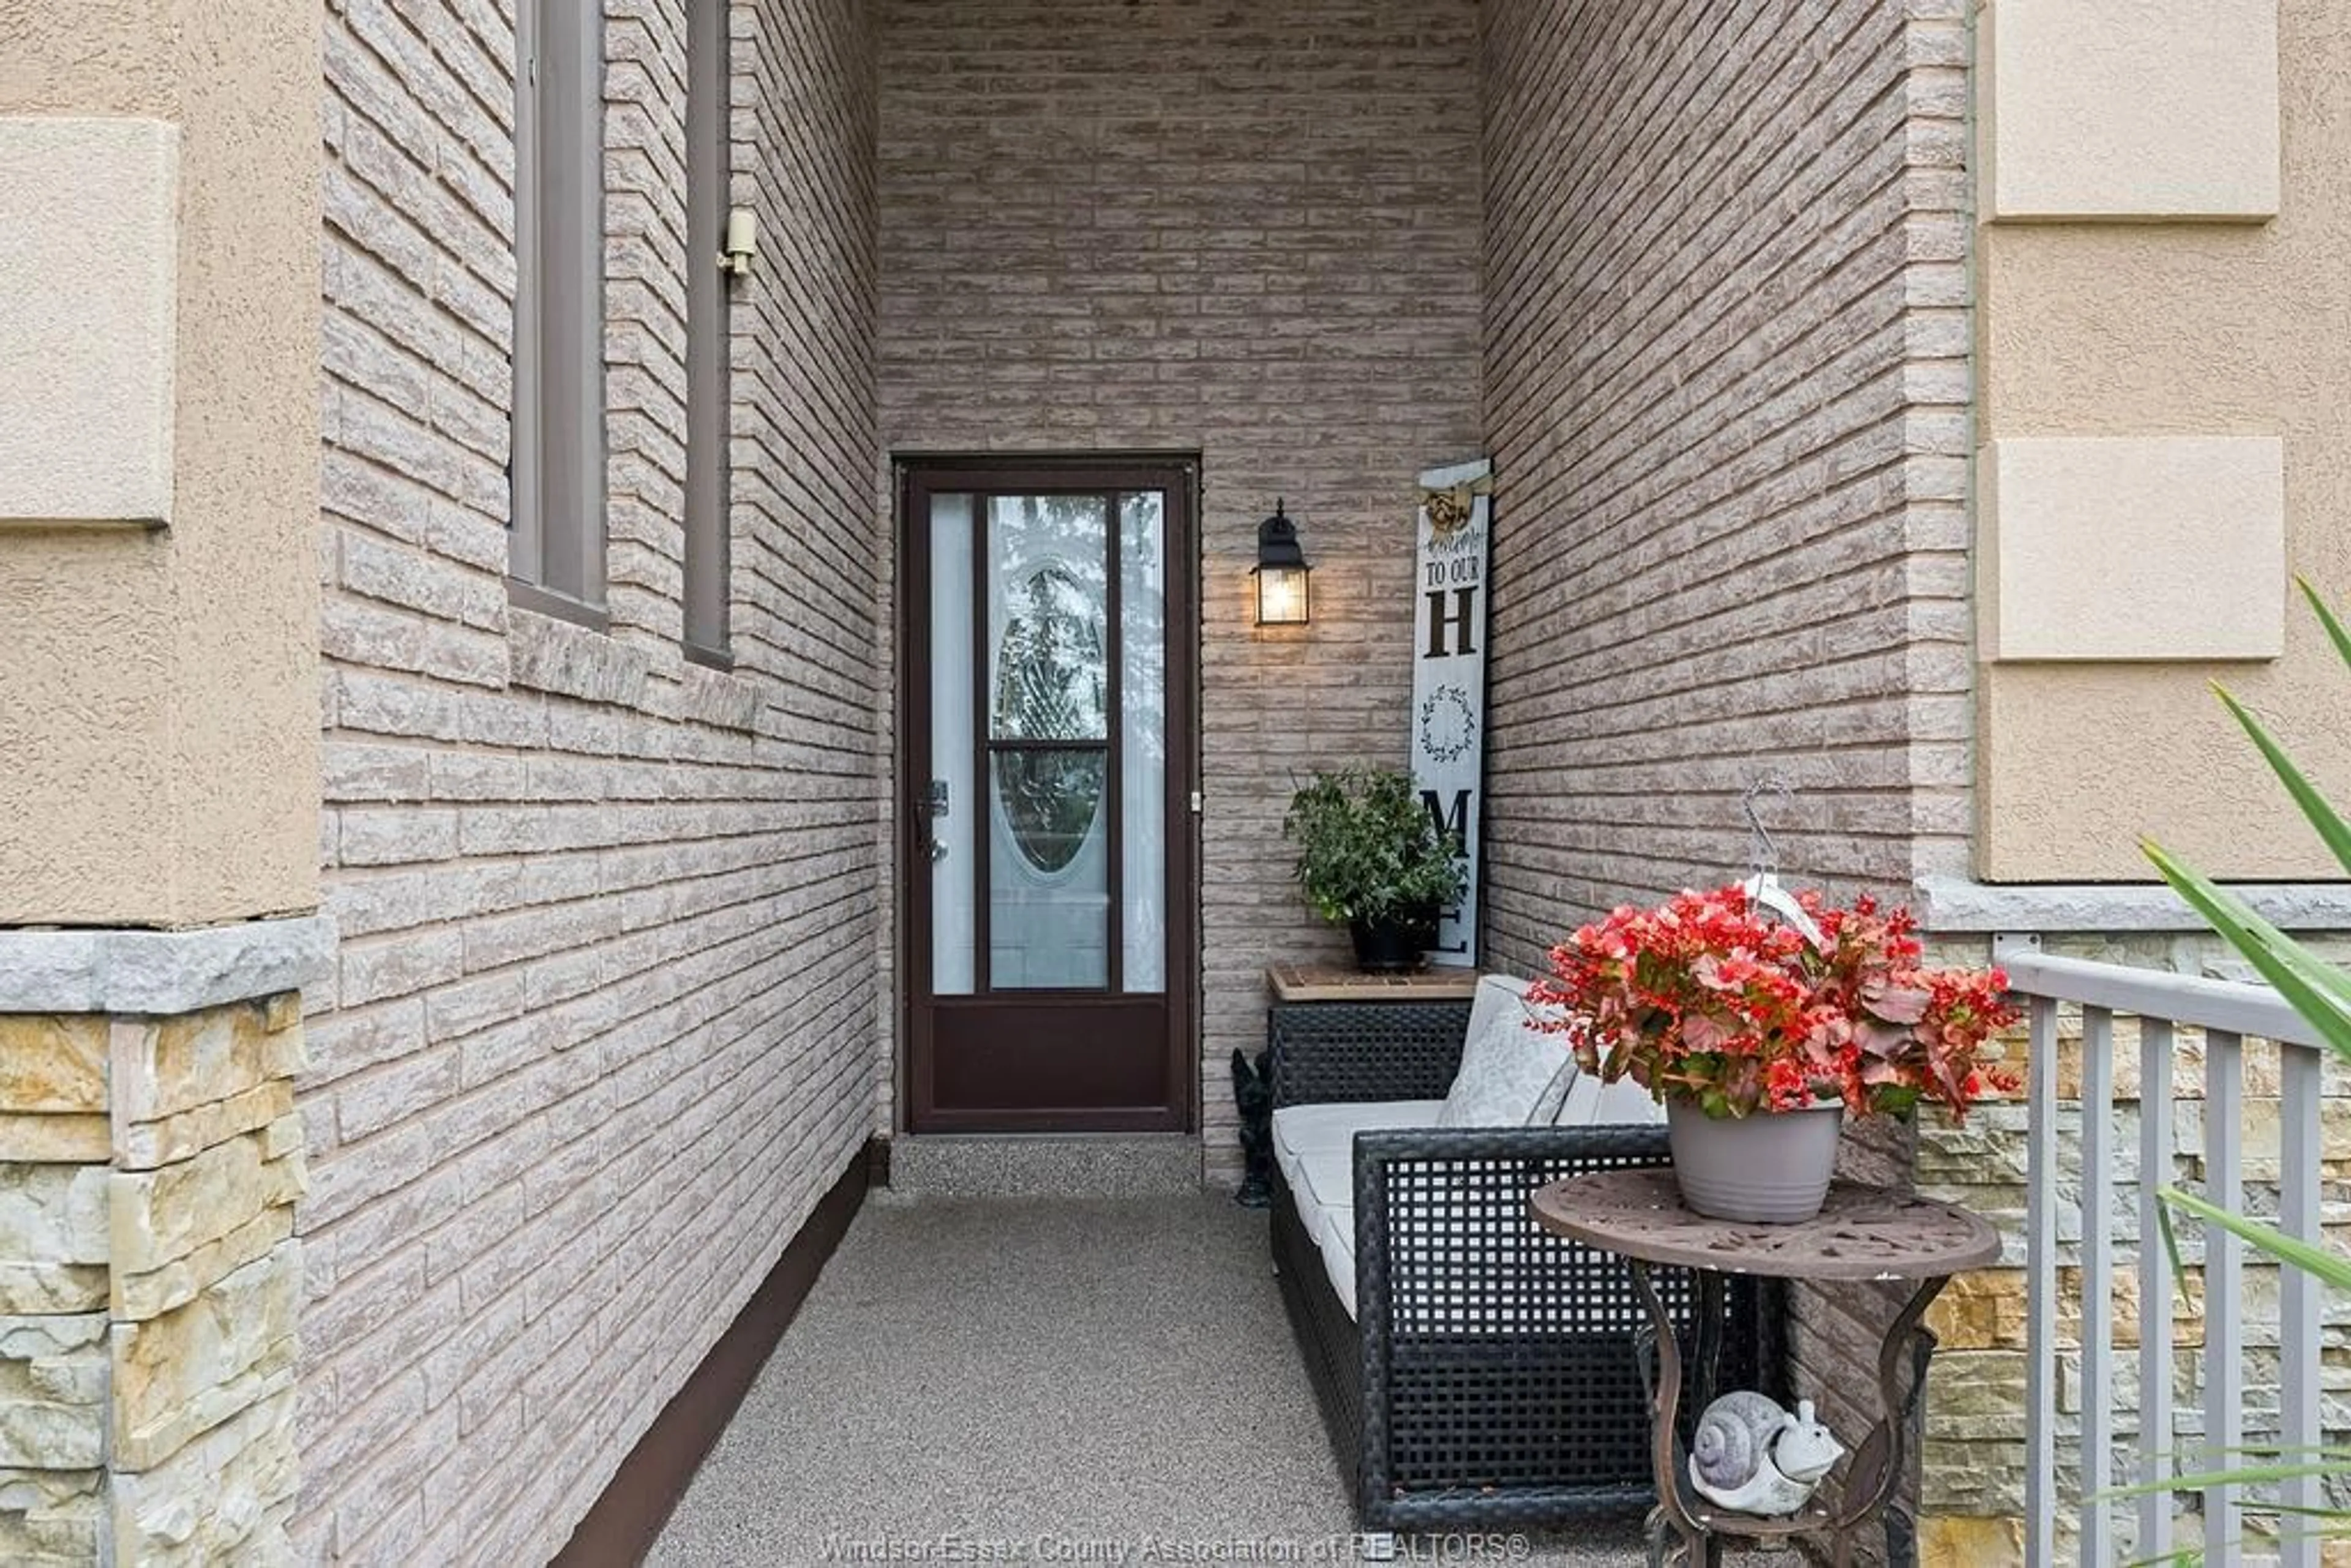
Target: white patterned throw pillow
x,y
1513,1073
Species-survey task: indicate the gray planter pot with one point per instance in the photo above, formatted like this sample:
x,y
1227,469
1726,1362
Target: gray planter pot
x,y
1767,1169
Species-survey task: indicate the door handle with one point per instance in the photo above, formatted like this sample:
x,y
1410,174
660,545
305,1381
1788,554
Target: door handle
x,y
928,807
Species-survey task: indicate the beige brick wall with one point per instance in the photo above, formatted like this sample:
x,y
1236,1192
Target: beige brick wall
x,y
1726,377
605,1018
1249,232
1726,384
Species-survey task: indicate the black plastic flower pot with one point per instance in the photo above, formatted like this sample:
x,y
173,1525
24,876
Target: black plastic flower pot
x,y
1393,944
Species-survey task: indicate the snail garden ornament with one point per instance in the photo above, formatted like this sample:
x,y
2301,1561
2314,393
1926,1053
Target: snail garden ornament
x,y
1752,1456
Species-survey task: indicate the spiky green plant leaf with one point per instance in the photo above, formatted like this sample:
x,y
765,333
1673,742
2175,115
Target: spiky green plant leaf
x,y
2333,830
2330,1269
2327,618
2234,1476
2172,1249
2318,991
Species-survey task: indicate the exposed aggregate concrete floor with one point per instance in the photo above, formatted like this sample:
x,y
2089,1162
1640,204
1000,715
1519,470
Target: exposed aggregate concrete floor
x,y
1105,1380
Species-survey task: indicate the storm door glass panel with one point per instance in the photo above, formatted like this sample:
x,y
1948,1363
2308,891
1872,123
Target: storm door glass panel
x,y
954,797
1049,686
1142,740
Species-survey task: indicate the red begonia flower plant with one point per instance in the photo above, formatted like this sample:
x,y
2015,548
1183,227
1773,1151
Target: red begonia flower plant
x,y
1709,998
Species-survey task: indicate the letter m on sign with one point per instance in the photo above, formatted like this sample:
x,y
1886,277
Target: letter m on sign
x,y
1453,827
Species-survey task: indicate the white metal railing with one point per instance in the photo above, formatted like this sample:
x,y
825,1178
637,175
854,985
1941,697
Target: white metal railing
x,y
2227,1014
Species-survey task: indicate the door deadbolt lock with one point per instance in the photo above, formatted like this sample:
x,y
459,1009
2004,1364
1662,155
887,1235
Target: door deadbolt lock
x,y
930,806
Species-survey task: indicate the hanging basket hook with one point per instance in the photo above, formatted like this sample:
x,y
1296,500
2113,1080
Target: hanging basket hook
x,y
1764,850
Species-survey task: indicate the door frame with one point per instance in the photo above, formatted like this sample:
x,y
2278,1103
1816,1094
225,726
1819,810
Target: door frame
x,y
1177,473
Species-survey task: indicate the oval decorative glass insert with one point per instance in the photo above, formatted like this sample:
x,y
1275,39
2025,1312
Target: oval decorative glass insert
x,y
1052,684
1051,672
1052,800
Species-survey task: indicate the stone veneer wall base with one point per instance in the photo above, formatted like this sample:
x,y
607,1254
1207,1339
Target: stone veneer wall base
x,y
1972,1498
149,1279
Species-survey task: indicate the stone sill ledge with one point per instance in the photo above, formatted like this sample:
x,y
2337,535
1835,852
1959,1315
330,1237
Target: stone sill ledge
x,y
1955,906
161,972
548,654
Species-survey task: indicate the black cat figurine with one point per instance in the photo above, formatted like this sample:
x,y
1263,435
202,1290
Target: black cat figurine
x,y
1253,1094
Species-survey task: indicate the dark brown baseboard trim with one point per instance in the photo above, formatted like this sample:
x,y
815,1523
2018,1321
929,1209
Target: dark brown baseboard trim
x,y
628,1517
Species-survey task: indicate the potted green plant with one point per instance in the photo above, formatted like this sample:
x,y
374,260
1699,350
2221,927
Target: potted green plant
x,y
1370,857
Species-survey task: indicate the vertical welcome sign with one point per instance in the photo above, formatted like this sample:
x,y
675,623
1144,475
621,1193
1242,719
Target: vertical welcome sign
x,y
1448,677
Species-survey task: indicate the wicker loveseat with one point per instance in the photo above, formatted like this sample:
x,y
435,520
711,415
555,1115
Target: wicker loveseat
x,y
1480,1373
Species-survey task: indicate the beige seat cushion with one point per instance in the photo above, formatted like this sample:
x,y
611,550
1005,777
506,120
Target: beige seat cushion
x,y
1301,1130
1315,1147
1336,1242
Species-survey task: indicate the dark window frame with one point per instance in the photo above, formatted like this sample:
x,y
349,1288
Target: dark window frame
x,y
555,554
708,545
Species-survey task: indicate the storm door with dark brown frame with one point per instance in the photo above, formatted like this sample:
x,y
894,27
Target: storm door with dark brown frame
x,y
1050,634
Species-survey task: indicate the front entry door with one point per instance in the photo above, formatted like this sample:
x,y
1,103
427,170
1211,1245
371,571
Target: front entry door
x,y
1050,645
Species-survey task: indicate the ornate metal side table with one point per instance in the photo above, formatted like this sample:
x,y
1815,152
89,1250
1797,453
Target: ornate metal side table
x,y
1861,1234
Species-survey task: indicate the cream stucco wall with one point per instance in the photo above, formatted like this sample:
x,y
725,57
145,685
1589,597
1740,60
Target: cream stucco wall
x,y
88,56
159,688
2149,329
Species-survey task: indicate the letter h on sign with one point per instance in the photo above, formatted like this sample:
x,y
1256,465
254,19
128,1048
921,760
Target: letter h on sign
x,y
1442,626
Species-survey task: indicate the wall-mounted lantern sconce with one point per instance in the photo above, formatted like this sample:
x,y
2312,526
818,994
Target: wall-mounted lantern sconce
x,y
1282,572
742,242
